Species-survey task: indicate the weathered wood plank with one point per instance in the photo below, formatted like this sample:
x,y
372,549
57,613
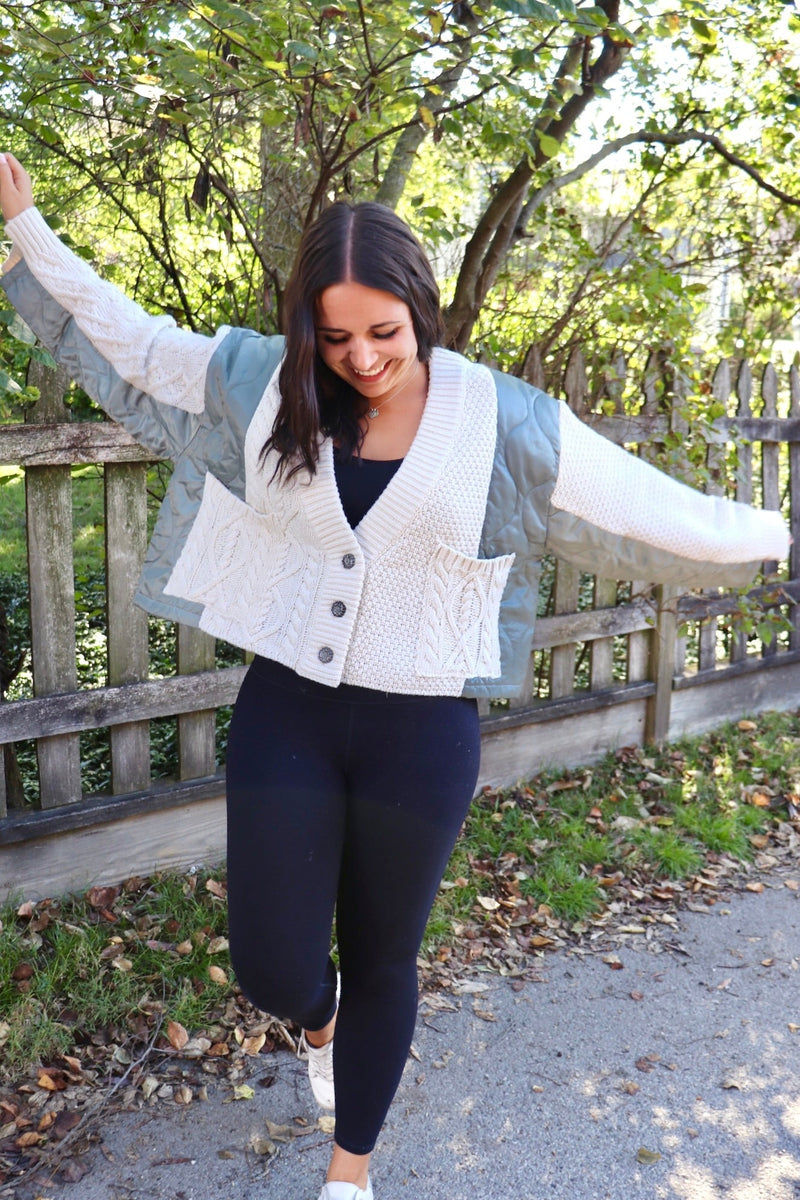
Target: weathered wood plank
x,y
638,646
662,664
60,444
593,623
601,669
770,468
99,707
751,665
48,499
720,390
696,608
542,711
794,504
521,751
98,810
735,692
128,657
45,444
565,600
636,430
196,740
167,840
744,472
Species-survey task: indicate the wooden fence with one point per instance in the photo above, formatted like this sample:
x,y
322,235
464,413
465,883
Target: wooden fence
x,y
611,665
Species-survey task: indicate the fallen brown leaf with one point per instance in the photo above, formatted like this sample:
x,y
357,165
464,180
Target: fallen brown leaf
x,y
177,1035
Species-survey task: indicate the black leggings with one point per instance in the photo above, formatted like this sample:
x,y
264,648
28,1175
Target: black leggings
x,y
350,799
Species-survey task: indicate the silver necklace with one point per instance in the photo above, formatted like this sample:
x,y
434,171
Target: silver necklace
x,y
374,410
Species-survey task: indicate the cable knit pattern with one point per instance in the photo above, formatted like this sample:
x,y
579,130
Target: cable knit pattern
x,y
151,353
461,596
254,578
603,484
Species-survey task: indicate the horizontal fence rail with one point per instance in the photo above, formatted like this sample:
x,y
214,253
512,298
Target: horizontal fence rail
x,y
627,661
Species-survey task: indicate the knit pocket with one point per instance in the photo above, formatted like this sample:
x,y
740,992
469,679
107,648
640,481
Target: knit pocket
x,y
461,610
245,570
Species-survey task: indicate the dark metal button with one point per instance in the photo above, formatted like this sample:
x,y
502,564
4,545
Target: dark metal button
x,y
325,655
338,608
349,561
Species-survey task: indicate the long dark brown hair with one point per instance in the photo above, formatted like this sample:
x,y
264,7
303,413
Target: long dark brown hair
x,y
360,243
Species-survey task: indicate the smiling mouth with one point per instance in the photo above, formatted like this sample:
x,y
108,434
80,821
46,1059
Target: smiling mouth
x,y
369,374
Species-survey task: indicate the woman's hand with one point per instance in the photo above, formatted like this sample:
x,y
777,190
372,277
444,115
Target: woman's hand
x,y
16,191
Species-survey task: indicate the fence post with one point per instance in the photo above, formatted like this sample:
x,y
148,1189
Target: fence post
x,y
196,743
770,471
128,658
663,641
794,504
48,496
744,473
720,390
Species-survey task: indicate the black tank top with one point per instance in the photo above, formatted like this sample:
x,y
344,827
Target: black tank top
x,y
360,482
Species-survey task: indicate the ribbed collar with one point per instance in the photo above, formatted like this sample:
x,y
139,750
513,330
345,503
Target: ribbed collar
x,y
418,473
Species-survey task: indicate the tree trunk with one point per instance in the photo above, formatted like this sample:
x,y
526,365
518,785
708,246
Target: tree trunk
x,y
500,227
406,147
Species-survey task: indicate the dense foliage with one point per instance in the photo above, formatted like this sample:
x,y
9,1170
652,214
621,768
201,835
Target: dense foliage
x,y
593,172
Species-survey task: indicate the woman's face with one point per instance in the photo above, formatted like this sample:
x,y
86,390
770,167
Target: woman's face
x,y
367,338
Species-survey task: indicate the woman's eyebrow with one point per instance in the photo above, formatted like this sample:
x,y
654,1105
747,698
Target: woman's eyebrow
x,y
377,325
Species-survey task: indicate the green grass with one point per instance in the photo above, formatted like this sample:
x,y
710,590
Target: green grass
x,y
75,969
639,816
557,851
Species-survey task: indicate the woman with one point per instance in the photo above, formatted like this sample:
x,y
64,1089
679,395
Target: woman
x,y
367,513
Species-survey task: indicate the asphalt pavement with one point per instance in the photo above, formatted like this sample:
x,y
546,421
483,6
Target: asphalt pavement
x,y
672,1073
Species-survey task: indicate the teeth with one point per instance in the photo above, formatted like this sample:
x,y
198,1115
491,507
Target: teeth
x,y
368,374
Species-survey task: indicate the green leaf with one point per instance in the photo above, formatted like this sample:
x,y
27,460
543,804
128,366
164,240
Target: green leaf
x,y
705,32
548,145
302,50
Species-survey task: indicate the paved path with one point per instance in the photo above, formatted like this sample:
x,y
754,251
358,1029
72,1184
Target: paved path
x,y
691,1053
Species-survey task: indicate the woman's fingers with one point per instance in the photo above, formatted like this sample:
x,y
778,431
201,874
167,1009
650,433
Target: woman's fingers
x,y
16,191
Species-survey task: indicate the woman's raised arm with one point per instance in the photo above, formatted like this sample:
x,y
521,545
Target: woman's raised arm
x,y
111,334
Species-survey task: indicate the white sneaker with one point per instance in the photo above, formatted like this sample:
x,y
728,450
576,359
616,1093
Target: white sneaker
x,y
345,1191
320,1075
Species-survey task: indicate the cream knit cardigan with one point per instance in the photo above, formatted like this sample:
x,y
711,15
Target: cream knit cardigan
x,y
400,604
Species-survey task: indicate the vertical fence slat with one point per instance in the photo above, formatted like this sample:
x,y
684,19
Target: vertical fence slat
x,y
662,663
128,661
48,499
770,470
196,741
3,800
638,648
794,510
679,427
744,474
566,590
576,384
601,670
720,390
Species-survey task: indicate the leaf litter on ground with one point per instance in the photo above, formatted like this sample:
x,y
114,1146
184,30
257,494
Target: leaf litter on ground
x,y
124,998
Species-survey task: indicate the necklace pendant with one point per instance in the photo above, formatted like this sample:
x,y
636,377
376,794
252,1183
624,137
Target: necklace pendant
x,y
372,413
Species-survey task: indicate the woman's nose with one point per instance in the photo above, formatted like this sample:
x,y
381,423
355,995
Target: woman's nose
x,y
363,356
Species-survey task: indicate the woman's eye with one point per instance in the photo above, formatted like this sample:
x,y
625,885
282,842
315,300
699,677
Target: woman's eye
x,y
333,341
383,337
